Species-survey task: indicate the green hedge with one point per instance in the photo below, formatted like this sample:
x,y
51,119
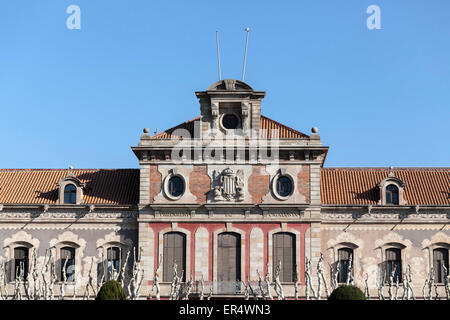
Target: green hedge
x,y
347,293
111,290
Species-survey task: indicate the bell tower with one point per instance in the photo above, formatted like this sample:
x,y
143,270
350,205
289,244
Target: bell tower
x,y
230,106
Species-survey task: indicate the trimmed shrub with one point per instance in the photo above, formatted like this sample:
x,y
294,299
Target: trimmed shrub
x,y
347,293
111,290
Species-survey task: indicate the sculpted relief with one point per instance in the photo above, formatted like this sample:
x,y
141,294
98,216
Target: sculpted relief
x,y
229,185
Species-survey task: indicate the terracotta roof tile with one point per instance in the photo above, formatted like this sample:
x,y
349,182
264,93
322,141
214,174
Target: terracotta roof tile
x,y
38,186
268,126
358,186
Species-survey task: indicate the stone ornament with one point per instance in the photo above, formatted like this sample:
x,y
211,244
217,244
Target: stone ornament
x,y
229,185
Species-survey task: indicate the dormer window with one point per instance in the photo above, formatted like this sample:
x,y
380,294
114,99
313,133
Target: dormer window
x,y
391,190
391,194
70,194
70,189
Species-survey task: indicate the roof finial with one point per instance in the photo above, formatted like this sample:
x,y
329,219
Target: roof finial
x,y
391,171
156,131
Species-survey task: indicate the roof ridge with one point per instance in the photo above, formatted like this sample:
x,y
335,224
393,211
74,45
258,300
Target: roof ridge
x,y
61,169
174,127
279,123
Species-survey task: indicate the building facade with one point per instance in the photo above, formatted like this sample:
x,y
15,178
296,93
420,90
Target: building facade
x,y
229,197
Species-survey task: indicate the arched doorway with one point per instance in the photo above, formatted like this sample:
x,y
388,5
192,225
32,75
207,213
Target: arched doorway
x,y
228,262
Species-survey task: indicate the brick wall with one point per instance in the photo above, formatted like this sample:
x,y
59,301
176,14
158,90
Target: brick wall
x,y
199,183
303,182
258,183
155,182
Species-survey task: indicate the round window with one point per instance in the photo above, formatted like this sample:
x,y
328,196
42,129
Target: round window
x,y
176,186
284,186
230,121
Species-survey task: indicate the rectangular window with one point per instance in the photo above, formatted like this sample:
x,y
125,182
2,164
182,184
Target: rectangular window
x,y
284,251
174,252
440,259
20,263
393,265
344,255
67,264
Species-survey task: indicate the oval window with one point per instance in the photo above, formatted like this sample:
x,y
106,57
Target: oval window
x,y
230,121
176,186
284,186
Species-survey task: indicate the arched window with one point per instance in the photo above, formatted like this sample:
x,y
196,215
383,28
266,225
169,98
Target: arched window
x,y
344,255
394,264
284,251
391,194
174,244
68,264
20,262
113,256
70,194
440,259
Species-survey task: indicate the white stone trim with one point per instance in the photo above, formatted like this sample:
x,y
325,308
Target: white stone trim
x,y
270,234
256,253
228,228
187,233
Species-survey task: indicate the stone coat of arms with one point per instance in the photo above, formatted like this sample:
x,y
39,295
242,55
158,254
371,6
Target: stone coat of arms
x,y
229,185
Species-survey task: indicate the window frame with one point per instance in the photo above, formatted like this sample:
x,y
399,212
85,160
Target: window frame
x,y
62,260
293,249
389,264
167,274
439,276
342,272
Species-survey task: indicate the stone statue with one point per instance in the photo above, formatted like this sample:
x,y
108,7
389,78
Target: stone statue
x,y
267,280
277,284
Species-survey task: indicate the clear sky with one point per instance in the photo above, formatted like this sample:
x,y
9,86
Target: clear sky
x,y
82,97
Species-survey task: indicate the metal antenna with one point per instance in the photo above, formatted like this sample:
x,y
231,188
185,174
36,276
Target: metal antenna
x,y
218,54
245,53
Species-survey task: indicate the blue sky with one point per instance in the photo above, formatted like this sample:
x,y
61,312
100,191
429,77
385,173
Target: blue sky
x,y
82,97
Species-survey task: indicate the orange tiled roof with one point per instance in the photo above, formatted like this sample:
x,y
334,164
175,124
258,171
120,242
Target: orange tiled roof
x,y
38,186
268,126
358,186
